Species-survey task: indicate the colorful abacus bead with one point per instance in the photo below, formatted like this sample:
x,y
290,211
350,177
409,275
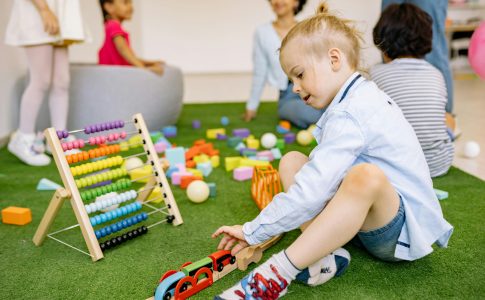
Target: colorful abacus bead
x,y
62,134
115,241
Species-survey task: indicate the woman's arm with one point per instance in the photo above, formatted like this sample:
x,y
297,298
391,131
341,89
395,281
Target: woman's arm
x,y
51,25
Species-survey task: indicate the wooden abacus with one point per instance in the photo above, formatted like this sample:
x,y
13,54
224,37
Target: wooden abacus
x,y
80,189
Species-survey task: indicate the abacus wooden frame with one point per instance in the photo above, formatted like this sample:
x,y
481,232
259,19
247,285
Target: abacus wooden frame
x,y
70,190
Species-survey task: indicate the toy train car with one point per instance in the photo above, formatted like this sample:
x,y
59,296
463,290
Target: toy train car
x,y
192,277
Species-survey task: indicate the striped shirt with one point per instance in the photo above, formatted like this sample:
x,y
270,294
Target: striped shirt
x,y
419,90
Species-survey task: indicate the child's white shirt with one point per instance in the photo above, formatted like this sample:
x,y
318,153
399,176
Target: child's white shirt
x,y
362,125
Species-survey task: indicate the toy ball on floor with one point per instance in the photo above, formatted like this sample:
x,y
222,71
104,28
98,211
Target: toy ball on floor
x,y
198,191
476,51
471,149
304,138
268,140
133,163
225,121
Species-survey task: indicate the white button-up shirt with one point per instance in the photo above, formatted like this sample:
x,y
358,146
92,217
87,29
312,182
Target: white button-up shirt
x,y
361,125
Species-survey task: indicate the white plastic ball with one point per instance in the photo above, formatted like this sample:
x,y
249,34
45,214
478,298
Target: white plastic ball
x,y
198,191
133,163
304,138
471,149
268,140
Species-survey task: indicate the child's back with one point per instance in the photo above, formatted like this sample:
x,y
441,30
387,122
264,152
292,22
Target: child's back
x,y
420,91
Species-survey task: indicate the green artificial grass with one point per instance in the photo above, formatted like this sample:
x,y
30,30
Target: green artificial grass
x,y
54,271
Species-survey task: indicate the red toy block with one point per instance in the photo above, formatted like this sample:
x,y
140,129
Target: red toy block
x,y
206,148
214,152
16,215
186,180
193,151
190,164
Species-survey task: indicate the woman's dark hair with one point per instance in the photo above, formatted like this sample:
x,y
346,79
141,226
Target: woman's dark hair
x,y
299,8
404,30
105,13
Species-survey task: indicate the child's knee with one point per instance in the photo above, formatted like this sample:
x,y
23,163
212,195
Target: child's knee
x,y
292,159
368,177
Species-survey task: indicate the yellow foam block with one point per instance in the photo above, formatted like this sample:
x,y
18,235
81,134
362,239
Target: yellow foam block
x,y
246,162
232,162
212,133
16,215
215,161
140,173
252,143
135,141
124,146
195,172
201,158
155,194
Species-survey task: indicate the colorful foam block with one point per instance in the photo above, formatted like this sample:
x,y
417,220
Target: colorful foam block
x,y
186,180
155,196
248,152
252,143
177,176
221,137
175,156
212,133
232,162
138,173
190,164
170,171
240,146
243,173
16,215
196,124
215,161
205,168
276,153
201,158
169,131
233,141
280,144
441,195
246,162
155,135
195,172
135,141
160,147
290,138
47,185
266,154
241,132
212,189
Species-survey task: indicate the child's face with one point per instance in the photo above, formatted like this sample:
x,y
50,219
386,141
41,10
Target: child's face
x,y
315,78
283,7
120,9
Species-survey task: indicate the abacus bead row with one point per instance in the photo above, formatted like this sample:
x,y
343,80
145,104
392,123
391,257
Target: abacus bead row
x,y
97,165
117,199
93,179
128,222
104,126
92,153
102,190
62,134
77,144
101,139
116,213
123,238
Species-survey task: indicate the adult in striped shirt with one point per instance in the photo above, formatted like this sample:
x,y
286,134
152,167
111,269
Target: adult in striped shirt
x,y
404,35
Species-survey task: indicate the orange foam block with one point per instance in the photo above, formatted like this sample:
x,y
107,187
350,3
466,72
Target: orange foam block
x,y
16,215
186,180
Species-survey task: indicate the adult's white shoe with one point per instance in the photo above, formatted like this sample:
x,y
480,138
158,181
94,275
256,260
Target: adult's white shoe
x,y
21,145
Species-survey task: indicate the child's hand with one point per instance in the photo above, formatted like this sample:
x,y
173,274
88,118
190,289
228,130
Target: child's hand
x,y
233,236
51,25
249,115
157,69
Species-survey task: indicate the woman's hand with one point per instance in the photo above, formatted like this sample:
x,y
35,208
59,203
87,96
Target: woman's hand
x,y
51,25
249,115
233,238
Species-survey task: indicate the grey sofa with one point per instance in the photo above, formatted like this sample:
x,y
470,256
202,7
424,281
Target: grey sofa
x,y
105,93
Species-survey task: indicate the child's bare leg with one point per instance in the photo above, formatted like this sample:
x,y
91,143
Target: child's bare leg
x,y
365,200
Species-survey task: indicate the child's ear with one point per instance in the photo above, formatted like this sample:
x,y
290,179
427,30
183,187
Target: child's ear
x,y
335,57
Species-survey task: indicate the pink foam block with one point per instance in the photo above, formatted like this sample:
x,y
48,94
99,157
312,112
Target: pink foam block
x,y
242,173
267,154
177,177
160,147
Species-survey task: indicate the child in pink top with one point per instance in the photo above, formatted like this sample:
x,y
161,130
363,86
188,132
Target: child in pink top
x,y
116,49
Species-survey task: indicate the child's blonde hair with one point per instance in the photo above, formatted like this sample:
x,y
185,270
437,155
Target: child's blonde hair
x,y
324,31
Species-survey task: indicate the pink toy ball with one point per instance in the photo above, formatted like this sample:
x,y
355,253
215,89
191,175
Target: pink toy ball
x,y
476,51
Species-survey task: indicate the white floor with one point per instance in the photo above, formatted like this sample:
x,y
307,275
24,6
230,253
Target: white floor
x,y
469,106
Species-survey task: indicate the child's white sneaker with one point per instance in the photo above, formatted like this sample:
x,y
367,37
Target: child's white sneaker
x,y
22,146
332,265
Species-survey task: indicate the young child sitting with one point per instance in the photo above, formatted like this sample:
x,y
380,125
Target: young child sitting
x,y
116,49
367,177
404,34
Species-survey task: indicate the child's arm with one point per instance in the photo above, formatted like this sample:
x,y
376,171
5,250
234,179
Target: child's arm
x,y
125,51
315,184
51,25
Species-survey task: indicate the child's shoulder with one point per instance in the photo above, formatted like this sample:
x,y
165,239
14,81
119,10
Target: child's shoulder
x,y
112,24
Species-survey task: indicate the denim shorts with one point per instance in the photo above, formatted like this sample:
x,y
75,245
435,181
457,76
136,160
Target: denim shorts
x,y
381,242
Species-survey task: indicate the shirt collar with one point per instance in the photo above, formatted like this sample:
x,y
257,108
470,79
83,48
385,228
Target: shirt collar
x,y
353,79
